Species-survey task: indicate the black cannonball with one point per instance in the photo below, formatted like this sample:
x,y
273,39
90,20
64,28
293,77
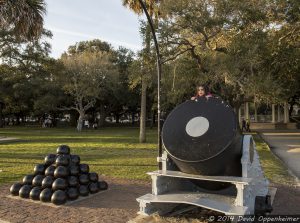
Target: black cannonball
x,y
75,160
45,195
84,179
62,160
68,157
50,171
59,197
94,187
63,149
14,189
25,191
73,181
59,184
102,185
37,180
84,168
61,171
74,170
28,179
50,159
39,169
72,193
47,182
83,190
35,193
93,177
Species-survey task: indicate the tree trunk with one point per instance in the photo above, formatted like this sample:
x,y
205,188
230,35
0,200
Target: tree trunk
x,y
153,117
142,137
117,118
18,119
73,118
1,116
132,118
80,121
144,87
102,116
54,122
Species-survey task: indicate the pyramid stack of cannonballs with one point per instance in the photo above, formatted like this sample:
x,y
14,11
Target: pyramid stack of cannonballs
x,y
61,178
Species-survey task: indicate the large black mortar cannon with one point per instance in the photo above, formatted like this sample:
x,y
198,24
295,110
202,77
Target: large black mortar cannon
x,y
202,137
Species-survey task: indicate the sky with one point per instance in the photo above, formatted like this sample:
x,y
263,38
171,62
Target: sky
x,y
71,21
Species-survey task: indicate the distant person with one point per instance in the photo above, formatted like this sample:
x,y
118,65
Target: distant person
x,y
86,124
95,125
45,123
244,128
201,91
49,123
248,125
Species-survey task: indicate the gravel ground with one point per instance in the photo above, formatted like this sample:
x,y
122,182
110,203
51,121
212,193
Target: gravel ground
x,y
115,205
118,204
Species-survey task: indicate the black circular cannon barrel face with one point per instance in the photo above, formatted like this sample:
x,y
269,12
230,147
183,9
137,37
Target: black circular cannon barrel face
x,y
28,179
14,189
59,197
63,149
39,169
35,193
61,171
45,195
199,130
50,171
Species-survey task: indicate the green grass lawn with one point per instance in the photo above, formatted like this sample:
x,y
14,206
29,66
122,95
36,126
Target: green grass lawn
x,y
113,152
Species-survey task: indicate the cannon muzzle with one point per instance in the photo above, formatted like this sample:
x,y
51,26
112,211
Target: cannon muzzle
x,y
203,137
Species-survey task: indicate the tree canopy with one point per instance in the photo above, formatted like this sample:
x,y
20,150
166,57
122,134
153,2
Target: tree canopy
x,y
243,50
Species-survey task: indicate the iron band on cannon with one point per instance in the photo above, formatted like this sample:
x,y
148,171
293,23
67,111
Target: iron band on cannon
x,y
207,163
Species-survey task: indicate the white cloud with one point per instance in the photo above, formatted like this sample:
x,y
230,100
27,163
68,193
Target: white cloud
x,y
114,42
72,21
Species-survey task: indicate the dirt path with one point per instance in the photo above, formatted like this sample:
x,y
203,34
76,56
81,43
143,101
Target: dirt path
x,y
116,205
